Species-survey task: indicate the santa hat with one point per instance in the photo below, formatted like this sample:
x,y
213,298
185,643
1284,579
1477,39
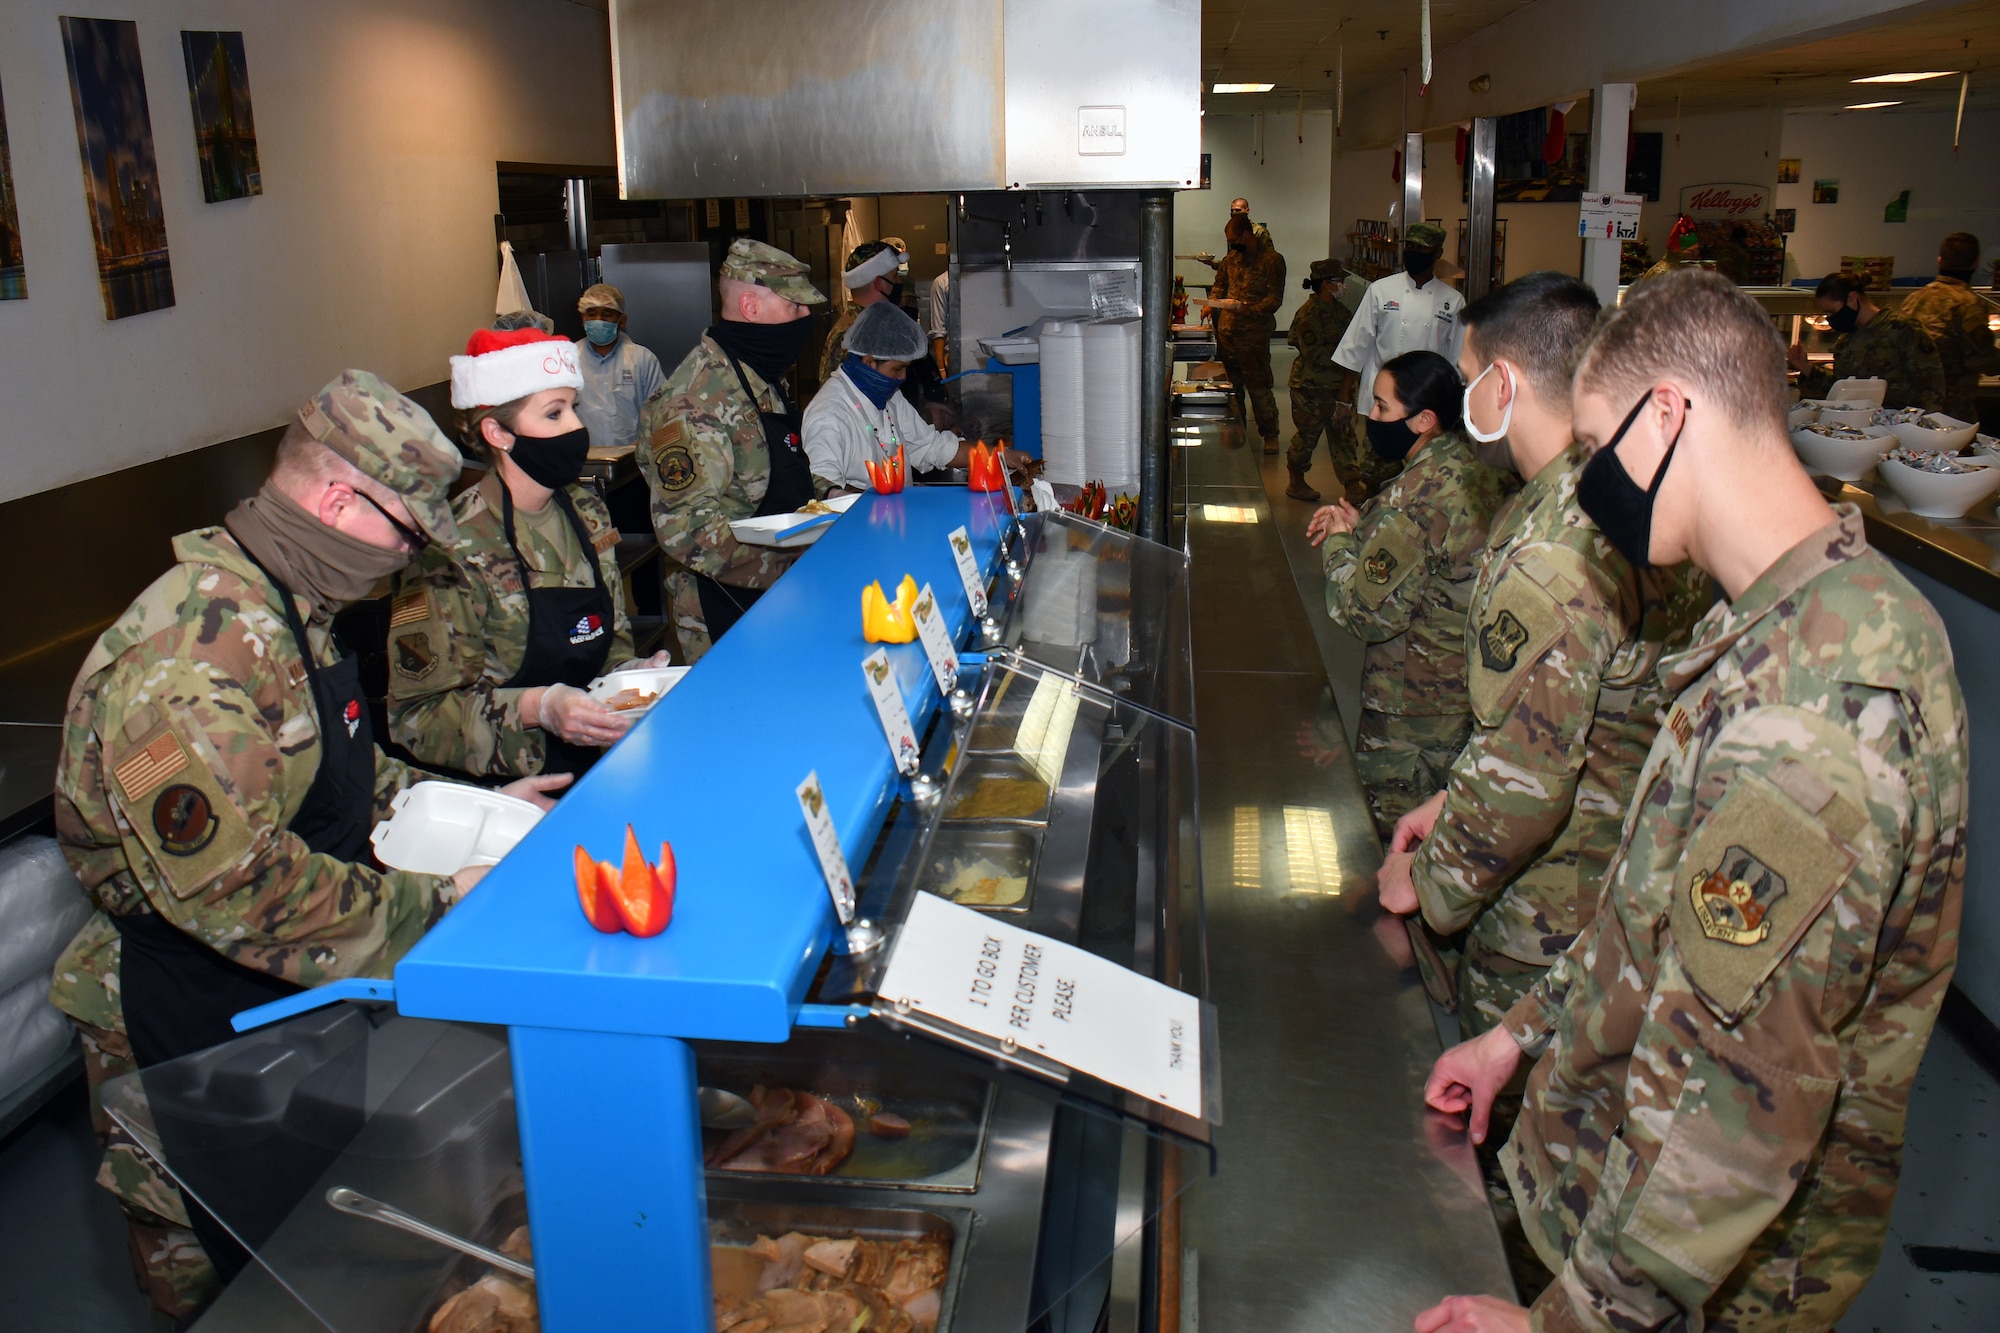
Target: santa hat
x,y
500,366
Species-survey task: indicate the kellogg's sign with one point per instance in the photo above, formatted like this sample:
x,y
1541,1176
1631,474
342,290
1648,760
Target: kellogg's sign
x,y
1725,201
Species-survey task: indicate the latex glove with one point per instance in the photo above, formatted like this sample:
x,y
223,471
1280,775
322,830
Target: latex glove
x,y
1466,1078
534,789
1473,1314
570,713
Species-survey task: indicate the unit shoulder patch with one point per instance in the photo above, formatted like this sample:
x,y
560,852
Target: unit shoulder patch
x,y
415,658
1511,632
1388,558
1757,872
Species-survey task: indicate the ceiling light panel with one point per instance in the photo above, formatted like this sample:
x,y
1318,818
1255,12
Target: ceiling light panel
x,y
1242,87
1870,106
1914,77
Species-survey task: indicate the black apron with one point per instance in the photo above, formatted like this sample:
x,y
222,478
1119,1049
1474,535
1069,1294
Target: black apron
x,y
179,994
569,633
791,485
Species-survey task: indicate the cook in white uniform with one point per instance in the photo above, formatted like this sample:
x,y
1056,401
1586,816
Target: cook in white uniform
x,y
618,374
1411,311
858,414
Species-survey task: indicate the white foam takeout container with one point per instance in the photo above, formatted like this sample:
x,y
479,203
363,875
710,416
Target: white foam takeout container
x,y
1849,460
653,680
1938,494
439,828
1870,391
789,530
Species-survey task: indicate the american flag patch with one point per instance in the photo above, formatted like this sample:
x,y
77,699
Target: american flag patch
x,y
143,770
408,609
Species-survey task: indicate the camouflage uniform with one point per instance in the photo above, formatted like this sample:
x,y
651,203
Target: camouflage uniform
x,y
1892,347
458,629
1956,321
1563,642
832,353
1713,1137
1401,583
199,683
1322,390
703,454
1243,337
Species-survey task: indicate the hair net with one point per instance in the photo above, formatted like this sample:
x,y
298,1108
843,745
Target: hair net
x,y
886,333
523,319
601,294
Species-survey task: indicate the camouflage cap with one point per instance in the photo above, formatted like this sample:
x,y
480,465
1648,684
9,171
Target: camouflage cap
x,y
768,266
1424,235
391,439
1324,270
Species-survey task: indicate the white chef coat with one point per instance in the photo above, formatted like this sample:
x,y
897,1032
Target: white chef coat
x,y
940,306
843,430
616,384
1398,316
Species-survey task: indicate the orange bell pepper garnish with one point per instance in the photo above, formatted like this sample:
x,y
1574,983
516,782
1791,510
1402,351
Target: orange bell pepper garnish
x,y
887,476
987,470
637,898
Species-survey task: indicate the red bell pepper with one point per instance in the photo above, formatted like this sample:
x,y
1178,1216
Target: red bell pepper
x,y
638,898
888,477
987,469
595,885
1098,501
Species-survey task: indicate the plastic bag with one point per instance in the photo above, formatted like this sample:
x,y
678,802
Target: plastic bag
x,y
41,908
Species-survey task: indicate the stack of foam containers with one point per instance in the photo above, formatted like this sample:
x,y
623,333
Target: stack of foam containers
x,y
1111,404
1063,396
41,907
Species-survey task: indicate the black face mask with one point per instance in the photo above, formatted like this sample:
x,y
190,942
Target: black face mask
x,y
1391,440
553,461
768,349
1419,263
1614,502
1844,320
895,296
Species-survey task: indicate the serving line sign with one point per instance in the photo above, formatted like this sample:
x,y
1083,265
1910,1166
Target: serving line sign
x,y
1050,998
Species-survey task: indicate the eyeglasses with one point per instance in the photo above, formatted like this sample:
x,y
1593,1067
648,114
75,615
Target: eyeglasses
x,y
412,539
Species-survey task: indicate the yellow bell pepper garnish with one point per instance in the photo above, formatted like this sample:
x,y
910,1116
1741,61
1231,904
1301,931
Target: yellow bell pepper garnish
x,y
884,621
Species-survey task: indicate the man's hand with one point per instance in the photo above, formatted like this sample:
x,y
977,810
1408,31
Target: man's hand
x,y
1339,516
1413,828
462,882
1466,1078
570,713
1473,1314
1022,465
1222,303
1398,891
1795,356
532,789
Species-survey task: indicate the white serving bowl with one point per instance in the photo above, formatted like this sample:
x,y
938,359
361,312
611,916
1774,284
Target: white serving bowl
x,y
1849,460
1955,434
1986,444
1803,413
440,828
1836,414
1941,495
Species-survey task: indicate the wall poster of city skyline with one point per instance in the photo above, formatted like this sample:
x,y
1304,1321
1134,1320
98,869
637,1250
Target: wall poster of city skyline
x,y
121,178
13,269
225,135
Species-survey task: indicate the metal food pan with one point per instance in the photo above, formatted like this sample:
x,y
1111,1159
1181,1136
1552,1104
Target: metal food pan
x,y
996,788
948,1109
1011,847
736,1222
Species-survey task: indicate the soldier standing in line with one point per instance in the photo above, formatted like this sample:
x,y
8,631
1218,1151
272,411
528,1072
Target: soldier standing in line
x,y
1399,576
1411,311
1249,288
872,274
219,778
1564,637
721,440
1958,324
1872,343
1322,389
1714,1122
493,639
1239,207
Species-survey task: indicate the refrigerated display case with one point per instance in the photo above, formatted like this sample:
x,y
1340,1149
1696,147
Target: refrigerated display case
x,y
530,1072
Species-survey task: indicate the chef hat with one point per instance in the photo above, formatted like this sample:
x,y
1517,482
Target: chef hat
x,y
499,367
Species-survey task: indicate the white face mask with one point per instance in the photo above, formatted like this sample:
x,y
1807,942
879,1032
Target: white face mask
x,y
1506,417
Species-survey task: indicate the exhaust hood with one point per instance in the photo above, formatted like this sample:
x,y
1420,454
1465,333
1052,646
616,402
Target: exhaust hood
x,y
802,97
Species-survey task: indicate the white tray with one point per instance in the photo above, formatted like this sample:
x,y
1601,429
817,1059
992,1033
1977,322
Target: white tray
x,y
653,680
439,828
790,530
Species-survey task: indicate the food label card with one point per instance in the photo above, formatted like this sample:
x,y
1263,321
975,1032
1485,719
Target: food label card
x,y
1070,1006
968,570
826,842
937,643
888,699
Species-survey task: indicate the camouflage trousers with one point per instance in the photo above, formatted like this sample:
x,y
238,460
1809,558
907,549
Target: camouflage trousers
x,y
1247,358
1354,459
1404,760
1489,984
684,608
1318,410
167,1261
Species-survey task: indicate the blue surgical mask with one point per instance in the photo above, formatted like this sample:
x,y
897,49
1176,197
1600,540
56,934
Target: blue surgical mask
x,y
601,332
876,387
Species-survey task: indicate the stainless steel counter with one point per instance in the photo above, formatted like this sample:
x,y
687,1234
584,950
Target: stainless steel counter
x,y
1961,553
1342,1203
